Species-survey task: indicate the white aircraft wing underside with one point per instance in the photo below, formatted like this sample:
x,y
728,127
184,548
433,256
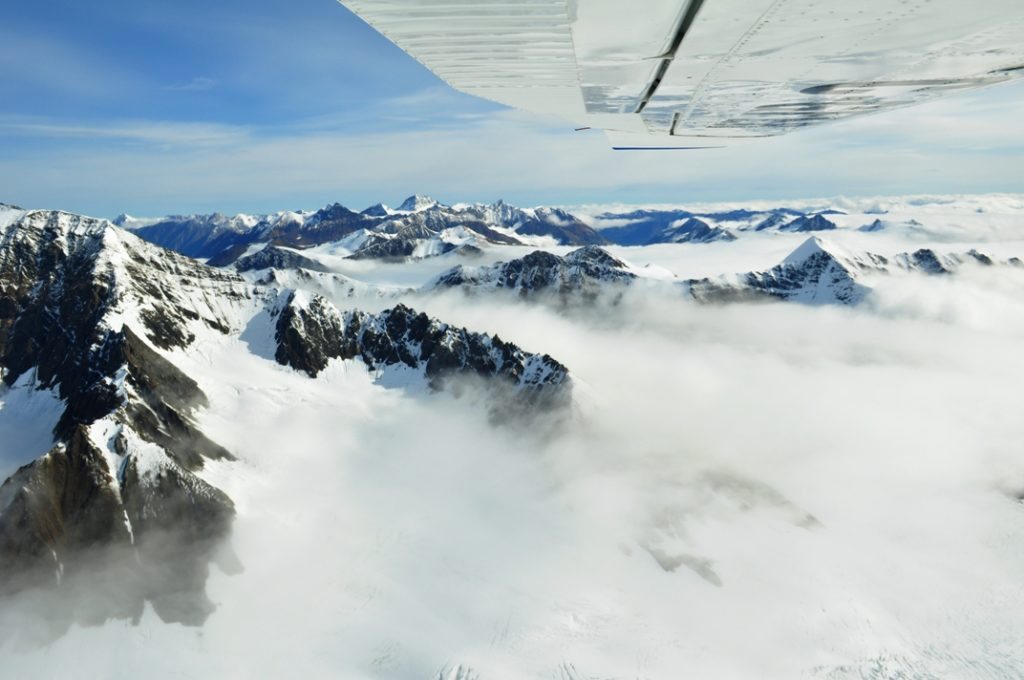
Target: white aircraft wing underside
x,y
703,72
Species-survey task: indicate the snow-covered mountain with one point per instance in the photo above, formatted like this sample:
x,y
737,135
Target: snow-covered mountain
x,y
103,320
417,203
647,226
423,227
419,227
583,272
693,230
821,272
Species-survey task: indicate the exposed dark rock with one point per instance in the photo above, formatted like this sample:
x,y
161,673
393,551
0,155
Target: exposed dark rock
x,y
308,335
311,332
927,261
55,508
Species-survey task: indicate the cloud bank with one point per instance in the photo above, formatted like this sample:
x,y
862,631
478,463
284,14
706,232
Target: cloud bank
x,y
745,491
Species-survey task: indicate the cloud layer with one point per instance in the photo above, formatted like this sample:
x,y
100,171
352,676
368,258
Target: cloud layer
x,y
745,491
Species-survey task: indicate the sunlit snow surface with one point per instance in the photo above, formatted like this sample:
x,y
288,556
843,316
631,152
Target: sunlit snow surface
x,y
27,418
743,491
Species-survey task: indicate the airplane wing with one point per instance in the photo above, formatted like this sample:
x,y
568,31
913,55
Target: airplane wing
x,y
705,73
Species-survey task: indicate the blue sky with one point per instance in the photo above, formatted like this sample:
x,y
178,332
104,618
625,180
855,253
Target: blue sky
x,y
157,107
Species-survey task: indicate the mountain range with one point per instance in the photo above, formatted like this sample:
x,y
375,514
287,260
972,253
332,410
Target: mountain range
x,y
104,333
421,227
100,321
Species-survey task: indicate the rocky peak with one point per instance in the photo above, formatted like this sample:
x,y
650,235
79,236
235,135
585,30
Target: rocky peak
x,y
774,220
694,230
816,222
334,211
85,309
377,210
596,257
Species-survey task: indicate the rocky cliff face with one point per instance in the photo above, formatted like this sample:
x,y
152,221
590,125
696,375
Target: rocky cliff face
x,y
310,331
85,309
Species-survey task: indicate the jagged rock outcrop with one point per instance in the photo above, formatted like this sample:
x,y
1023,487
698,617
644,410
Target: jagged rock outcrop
x,y
584,272
311,332
86,308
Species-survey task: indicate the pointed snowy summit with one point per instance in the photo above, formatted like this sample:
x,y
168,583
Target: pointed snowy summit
x,y
814,246
417,203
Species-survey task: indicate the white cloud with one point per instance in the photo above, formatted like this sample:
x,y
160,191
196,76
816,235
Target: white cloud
x,y
963,144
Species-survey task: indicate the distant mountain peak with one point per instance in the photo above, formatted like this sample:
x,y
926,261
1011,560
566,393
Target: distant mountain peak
x,y
815,222
417,203
378,210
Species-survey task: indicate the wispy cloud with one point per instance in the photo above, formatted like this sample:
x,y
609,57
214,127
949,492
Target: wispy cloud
x,y
185,135
197,84
965,144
